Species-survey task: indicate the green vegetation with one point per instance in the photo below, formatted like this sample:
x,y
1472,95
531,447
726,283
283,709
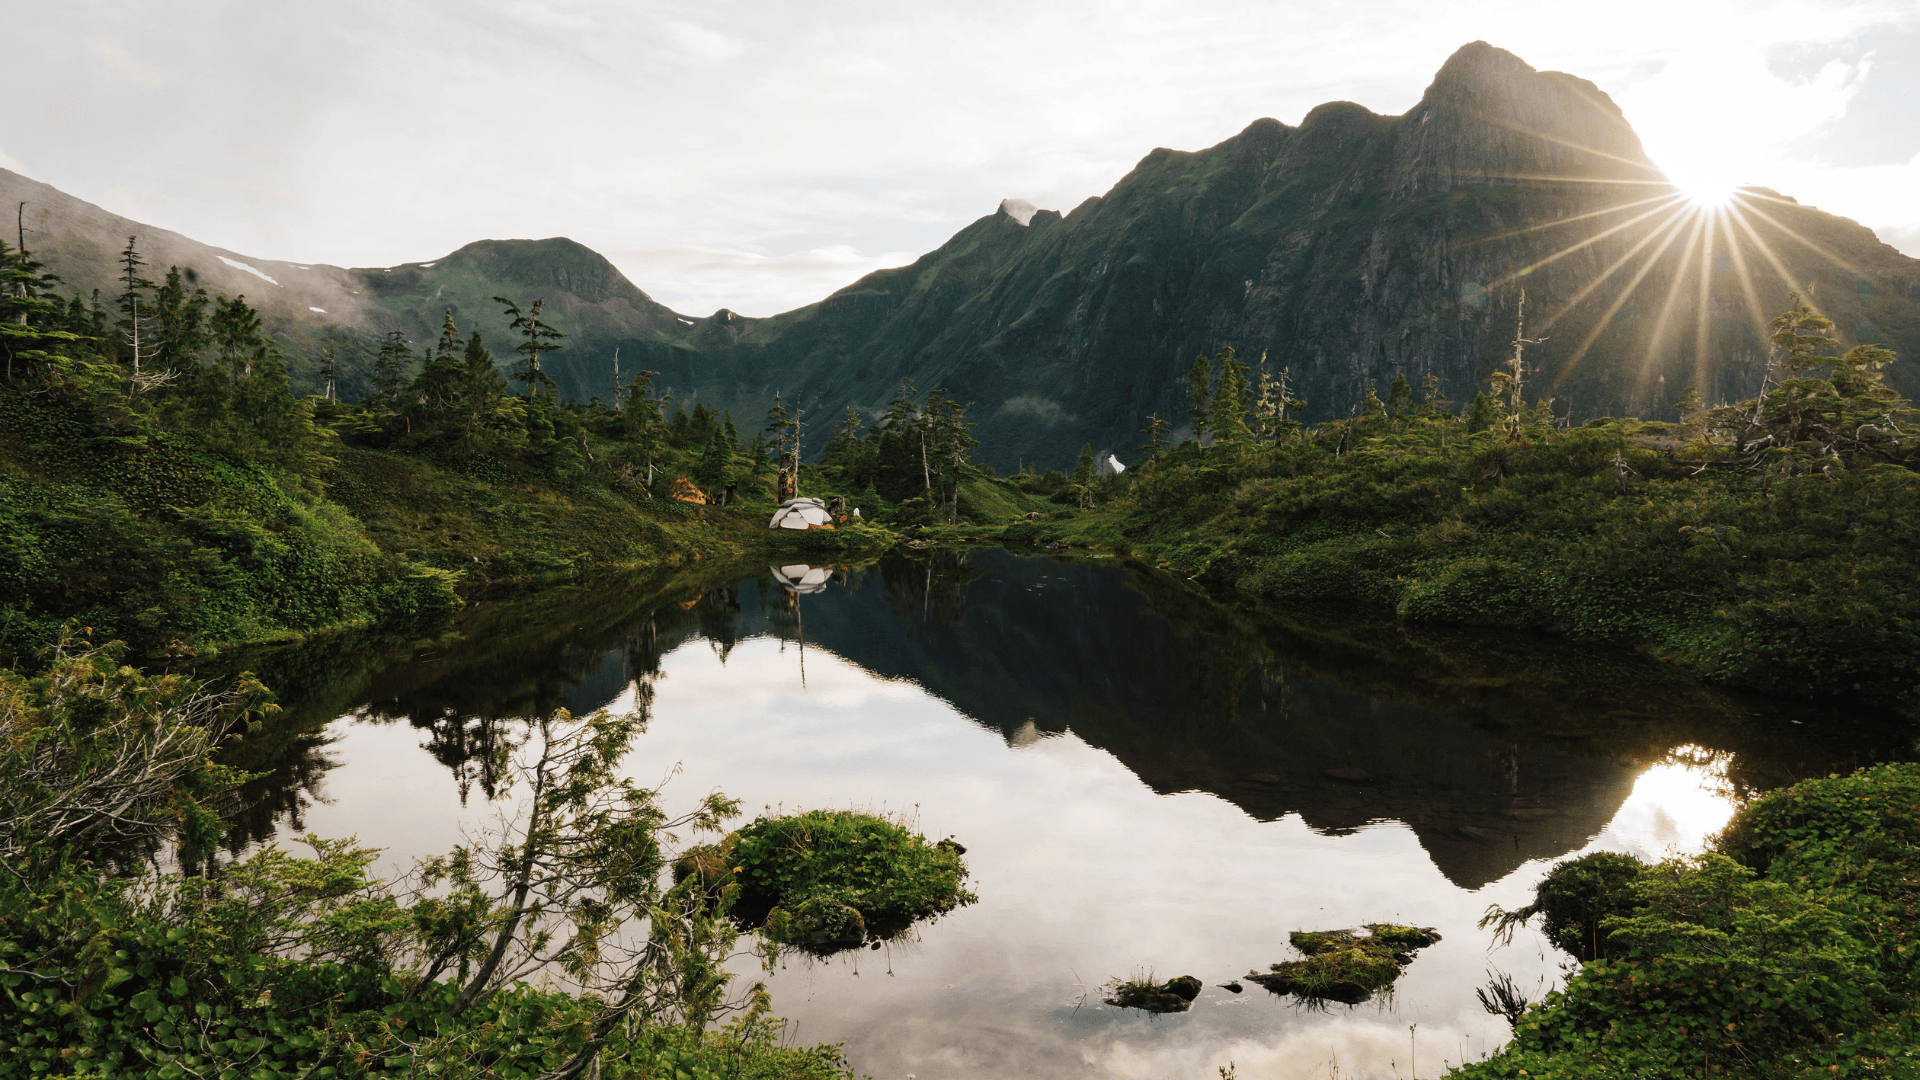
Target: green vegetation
x,y
1142,992
1346,965
1767,544
1574,900
160,484
288,966
828,880
1786,950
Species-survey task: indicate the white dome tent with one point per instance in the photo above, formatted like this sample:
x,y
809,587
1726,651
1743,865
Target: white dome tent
x,y
801,514
802,578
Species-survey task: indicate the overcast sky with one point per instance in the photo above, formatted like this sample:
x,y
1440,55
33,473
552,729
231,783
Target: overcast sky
x,y
757,155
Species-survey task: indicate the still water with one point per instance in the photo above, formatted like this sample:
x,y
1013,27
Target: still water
x,y
1146,780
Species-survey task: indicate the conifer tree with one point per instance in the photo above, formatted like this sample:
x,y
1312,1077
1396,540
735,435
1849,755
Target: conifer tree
x,y
180,323
390,368
536,338
1083,466
329,371
641,424
1400,397
1156,445
135,312
1372,409
1688,403
1228,413
30,320
436,390
238,336
1200,396
1800,333
1432,401
1275,401
715,462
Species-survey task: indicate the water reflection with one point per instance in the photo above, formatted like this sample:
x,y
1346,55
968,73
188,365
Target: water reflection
x,y
1145,777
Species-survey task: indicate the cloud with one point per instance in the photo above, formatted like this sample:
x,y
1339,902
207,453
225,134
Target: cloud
x,y
1904,237
130,67
742,144
8,161
700,43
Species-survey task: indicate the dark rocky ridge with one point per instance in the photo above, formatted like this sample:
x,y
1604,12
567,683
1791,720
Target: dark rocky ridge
x,y
1349,248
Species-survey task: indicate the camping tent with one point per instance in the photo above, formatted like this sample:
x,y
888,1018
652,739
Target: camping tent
x,y
801,514
802,578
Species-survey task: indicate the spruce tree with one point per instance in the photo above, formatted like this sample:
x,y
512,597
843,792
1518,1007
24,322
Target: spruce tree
x,y
1083,466
390,368
1400,397
135,310
1800,333
536,338
436,391
1200,396
329,371
238,335
1156,445
180,324
1227,415
31,332
715,462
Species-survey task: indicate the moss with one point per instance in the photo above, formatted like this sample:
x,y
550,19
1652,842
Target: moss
x,y
1348,966
828,880
1142,992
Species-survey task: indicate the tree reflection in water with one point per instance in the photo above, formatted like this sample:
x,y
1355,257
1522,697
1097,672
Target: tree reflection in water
x,y
1494,748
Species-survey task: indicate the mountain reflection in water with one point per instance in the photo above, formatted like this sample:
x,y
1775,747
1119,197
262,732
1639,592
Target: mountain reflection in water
x,y
1493,751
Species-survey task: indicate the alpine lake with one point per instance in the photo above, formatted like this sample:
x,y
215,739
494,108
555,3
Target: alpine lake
x,y
1148,781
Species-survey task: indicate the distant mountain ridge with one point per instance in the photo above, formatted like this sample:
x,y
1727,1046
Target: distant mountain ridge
x,y
1350,248
301,303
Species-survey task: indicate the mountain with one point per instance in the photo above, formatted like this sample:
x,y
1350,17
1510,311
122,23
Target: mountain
x,y
1348,249
303,303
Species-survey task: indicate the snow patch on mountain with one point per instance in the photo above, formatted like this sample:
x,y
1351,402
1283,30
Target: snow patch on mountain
x,y
238,265
321,310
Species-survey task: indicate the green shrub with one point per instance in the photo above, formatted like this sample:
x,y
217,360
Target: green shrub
x,y
827,880
1788,951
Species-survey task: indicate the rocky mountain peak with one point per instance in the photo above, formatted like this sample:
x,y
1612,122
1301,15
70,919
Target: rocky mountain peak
x,y
1489,118
1019,210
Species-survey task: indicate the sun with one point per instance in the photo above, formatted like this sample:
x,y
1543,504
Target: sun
x,y
1703,184
1710,194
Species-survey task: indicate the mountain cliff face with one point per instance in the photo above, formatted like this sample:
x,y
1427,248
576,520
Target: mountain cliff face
x,y
1347,249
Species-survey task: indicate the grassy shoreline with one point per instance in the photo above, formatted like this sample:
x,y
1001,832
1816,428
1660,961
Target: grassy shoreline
x,y
1806,584
184,551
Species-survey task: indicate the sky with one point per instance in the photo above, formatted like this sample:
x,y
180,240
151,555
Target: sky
x,y
757,155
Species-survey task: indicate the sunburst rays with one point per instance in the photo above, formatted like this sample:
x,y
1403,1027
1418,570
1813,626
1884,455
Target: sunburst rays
x,y
1686,238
